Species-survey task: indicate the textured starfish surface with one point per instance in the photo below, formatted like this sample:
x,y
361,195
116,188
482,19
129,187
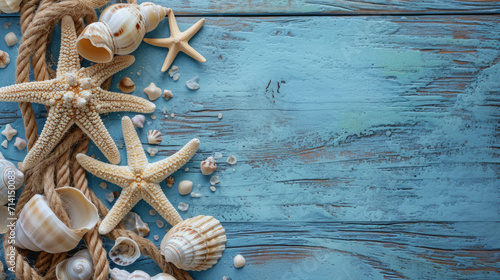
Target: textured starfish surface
x,y
178,41
140,179
75,97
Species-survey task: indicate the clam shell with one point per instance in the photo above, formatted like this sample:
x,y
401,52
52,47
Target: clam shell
x,y
194,244
125,251
78,267
39,229
10,6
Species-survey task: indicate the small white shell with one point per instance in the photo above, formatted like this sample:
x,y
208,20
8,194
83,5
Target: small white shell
x,y
167,94
125,251
185,187
119,274
10,38
78,267
231,159
10,6
193,83
5,143
194,244
20,143
153,92
39,229
208,166
4,59
154,137
138,121
239,261
9,132
133,222
152,151
11,179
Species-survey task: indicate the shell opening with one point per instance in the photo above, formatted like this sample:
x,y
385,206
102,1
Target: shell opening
x,y
94,53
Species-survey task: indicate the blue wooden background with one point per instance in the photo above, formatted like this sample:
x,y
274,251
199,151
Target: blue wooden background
x,y
366,132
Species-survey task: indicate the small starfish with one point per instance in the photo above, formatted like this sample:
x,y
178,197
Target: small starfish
x,y
140,179
177,41
75,97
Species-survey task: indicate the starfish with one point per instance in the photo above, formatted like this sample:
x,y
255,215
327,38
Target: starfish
x,y
75,97
140,179
178,41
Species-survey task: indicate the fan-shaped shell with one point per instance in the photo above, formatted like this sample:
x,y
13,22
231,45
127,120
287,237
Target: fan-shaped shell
x,y
194,244
125,251
9,6
11,179
39,229
154,137
120,30
78,267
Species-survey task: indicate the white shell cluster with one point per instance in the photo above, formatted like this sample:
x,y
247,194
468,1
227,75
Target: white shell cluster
x,y
133,222
119,274
154,137
125,251
78,267
194,244
208,166
10,6
120,30
39,229
11,179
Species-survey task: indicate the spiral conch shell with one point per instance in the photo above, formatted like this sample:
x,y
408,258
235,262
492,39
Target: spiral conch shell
x,y
78,267
125,251
39,229
118,274
9,6
120,30
194,244
11,179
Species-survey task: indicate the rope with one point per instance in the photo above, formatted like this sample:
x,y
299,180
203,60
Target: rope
x,y
60,168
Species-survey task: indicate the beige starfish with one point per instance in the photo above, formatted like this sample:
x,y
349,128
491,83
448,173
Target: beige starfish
x,y
140,179
178,41
75,97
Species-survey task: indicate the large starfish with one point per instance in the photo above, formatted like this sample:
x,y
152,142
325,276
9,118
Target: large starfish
x,y
178,41
75,97
140,179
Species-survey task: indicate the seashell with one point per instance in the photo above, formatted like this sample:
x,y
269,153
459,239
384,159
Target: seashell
x,y
10,39
78,267
185,187
193,84
10,6
4,59
133,222
194,244
153,92
138,121
154,137
231,159
239,261
126,85
120,30
119,274
125,251
167,94
208,166
152,151
5,144
9,132
20,143
39,229
12,179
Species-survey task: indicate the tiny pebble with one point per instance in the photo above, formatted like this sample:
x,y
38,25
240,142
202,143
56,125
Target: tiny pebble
x,y
186,169
103,185
120,145
152,212
10,39
160,223
153,117
195,194
214,180
7,25
164,110
231,159
172,115
152,151
219,116
217,155
138,73
173,70
110,197
156,237
226,278
185,187
183,206
176,76
170,181
20,143
5,143
212,188
388,133
167,94
239,261
193,83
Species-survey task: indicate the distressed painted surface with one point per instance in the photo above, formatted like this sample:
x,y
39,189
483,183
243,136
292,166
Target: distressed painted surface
x,y
367,146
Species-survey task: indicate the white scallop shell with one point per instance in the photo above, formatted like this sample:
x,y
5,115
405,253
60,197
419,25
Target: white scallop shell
x,y
39,229
194,244
120,30
119,274
10,6
208,166
133,222
125,251
11,179
154,137
78,267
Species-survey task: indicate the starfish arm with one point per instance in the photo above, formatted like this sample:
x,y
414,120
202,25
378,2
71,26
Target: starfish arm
x,y
118,102
34,92
191,31
158,171
127,200
53,131
136,158
187,49
118,175
69,60
172,53
90,122
101,71
172,23
153,195
159,42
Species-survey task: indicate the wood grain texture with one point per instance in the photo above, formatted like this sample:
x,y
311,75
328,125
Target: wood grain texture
x,y
367,146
